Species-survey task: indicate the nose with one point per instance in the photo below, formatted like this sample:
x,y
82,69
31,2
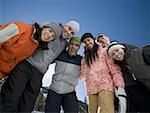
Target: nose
x,y
87,42
116,54
69,32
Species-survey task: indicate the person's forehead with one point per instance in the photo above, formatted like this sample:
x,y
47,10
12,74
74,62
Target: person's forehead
x,y
88,38
48,28
101,38
117,49
74,42
69,27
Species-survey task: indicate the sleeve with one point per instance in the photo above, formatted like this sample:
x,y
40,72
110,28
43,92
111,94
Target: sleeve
x,y
83,71
7,31
115,72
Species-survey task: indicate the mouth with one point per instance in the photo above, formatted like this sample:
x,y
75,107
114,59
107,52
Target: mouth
x,y
119,57
89,47
46,38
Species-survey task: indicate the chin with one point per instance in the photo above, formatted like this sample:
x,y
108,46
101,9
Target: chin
x,y
90,47
120,59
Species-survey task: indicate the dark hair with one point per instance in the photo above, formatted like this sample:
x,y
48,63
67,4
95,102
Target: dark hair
x,y
37,36
91,54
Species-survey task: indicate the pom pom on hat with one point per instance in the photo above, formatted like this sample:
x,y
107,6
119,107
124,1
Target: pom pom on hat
x,y
114,45
75,25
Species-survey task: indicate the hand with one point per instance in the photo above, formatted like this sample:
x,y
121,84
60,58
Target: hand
x,y
121,95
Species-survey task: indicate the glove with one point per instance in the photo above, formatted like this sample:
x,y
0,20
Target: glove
x,y
121,95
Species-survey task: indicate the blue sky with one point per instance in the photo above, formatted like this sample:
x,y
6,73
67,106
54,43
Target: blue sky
x,y
125,20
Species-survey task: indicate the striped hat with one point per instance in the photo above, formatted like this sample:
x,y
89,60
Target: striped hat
x,y
75,39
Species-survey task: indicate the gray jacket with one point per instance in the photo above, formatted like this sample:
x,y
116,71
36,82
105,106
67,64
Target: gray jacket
x,y
41,59
66,75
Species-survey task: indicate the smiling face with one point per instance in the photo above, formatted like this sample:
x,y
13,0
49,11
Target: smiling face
x,y
102,40
73,48
89,42
68,32
118,54
47,35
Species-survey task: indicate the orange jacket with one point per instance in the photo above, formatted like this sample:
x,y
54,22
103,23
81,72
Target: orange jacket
x,y
17,47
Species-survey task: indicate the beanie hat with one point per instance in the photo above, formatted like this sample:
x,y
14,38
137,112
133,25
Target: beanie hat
x,y
57,29
114,45
75,25
75,39
86,35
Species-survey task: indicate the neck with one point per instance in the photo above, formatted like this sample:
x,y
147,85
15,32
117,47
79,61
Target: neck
x,y
71,54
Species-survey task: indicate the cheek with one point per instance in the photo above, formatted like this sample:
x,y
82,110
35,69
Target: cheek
x,y
114,57
92,44
66,30
43,33
50,39
42,36
122,55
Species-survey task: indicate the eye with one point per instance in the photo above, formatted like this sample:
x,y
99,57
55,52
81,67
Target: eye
x,y
77,45
72,33
88,40
50,30
116,50
113,54
69,28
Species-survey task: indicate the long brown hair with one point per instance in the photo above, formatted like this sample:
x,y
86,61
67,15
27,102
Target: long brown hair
x,y
91,54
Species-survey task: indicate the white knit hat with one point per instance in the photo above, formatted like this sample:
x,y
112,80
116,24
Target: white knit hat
x,y
114,45
104,36
75,25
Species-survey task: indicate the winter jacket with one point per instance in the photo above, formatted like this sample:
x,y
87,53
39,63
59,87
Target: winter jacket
x,y
138,69
146,54
103,74
67,72
16,44
41,59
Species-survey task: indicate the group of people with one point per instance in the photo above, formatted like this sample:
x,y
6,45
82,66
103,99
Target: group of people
x,y
116,75
114,68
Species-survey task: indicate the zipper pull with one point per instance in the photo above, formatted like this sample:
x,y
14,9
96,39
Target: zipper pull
x,y
133,76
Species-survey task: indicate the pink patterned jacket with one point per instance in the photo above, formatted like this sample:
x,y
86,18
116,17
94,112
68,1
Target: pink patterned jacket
x,y
103,74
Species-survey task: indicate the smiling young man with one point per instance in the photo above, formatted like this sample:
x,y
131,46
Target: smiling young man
x,y
62,90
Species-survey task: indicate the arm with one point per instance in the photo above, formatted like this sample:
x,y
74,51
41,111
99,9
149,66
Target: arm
x,y
83,71
121,95
115,72
7,31
119,83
